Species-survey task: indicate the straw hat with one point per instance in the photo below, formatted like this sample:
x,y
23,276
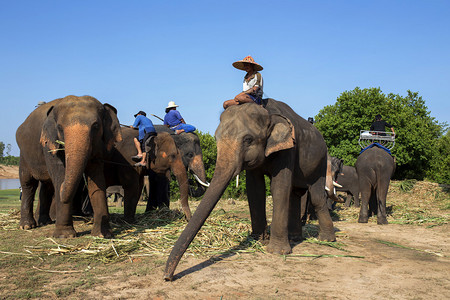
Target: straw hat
x,y
247,60
171,104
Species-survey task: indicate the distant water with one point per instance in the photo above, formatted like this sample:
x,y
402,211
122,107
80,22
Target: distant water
x,y
9,184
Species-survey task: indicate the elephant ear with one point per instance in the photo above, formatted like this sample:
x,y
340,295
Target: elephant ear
x,y
49,133
111,127
281,134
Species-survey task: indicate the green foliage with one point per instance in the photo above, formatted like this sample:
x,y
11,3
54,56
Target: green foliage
x,y
5,158
407,185
416,131
9,160
440,164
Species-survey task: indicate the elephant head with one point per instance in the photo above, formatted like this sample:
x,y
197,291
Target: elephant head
x,y
163,156
245,137
188,145
85,130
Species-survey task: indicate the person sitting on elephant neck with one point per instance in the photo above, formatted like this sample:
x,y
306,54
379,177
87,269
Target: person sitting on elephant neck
x,y
380,125
146,130
175,121
252,86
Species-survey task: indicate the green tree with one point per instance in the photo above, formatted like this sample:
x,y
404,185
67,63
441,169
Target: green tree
x,y
440,164
2,148
416,131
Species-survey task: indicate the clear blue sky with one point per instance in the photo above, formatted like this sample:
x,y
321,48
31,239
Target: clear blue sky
x,y
139,55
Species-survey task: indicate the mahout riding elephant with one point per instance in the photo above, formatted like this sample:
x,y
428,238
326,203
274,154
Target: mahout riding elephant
x,y
188,145
163,157
272,141
375,168
59,141
348,180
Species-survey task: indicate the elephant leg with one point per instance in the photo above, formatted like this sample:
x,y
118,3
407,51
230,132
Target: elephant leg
x,y
348,200
256,194
132,193
163,199
152,193
97,194
64,222
304,206
366,191
29,186
382,191
281,188
46,192
373,206
295,210
356,199
318,200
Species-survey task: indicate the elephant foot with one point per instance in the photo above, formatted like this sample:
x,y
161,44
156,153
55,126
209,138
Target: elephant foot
x,y
64,232
26,224
382,221
44,220
103,231
363,219
327,236
279,248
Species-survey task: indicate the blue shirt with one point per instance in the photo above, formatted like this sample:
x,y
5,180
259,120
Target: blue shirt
x,y
172,118
144,124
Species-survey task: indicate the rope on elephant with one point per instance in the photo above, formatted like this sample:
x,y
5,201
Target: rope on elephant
x,y
116,163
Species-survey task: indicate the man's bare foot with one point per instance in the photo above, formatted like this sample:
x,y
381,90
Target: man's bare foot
x,y
179,131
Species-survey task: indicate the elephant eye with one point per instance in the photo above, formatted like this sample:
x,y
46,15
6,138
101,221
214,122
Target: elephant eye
x,y
190,155
95,126
248,139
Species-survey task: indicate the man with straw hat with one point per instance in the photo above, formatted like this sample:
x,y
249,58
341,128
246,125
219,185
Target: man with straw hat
x,y
175,121
253,83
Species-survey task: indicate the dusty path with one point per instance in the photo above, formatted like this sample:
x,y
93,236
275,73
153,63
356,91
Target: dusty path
x,y
414,266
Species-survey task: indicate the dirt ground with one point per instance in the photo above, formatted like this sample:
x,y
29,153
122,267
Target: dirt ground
x,y
9,172
407,259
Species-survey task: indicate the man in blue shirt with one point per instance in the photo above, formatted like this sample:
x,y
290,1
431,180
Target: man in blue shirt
x,y
146,130
175,121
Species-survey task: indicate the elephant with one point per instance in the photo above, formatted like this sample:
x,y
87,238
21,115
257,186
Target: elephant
x,y
348,179
59,142
188,145
374,168
266,140
116,192
162,157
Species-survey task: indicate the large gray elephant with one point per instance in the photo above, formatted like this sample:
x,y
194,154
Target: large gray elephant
x,y
188,145
375,168
162,158
59,141
348,181
272,141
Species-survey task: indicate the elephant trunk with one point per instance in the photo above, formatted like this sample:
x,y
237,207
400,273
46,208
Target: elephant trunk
x,y
198,168
77,148
330,184
180,173
226,168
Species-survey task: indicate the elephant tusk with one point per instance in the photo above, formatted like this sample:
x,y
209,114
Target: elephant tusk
x,y
237,180
336,184
327,189
201,182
